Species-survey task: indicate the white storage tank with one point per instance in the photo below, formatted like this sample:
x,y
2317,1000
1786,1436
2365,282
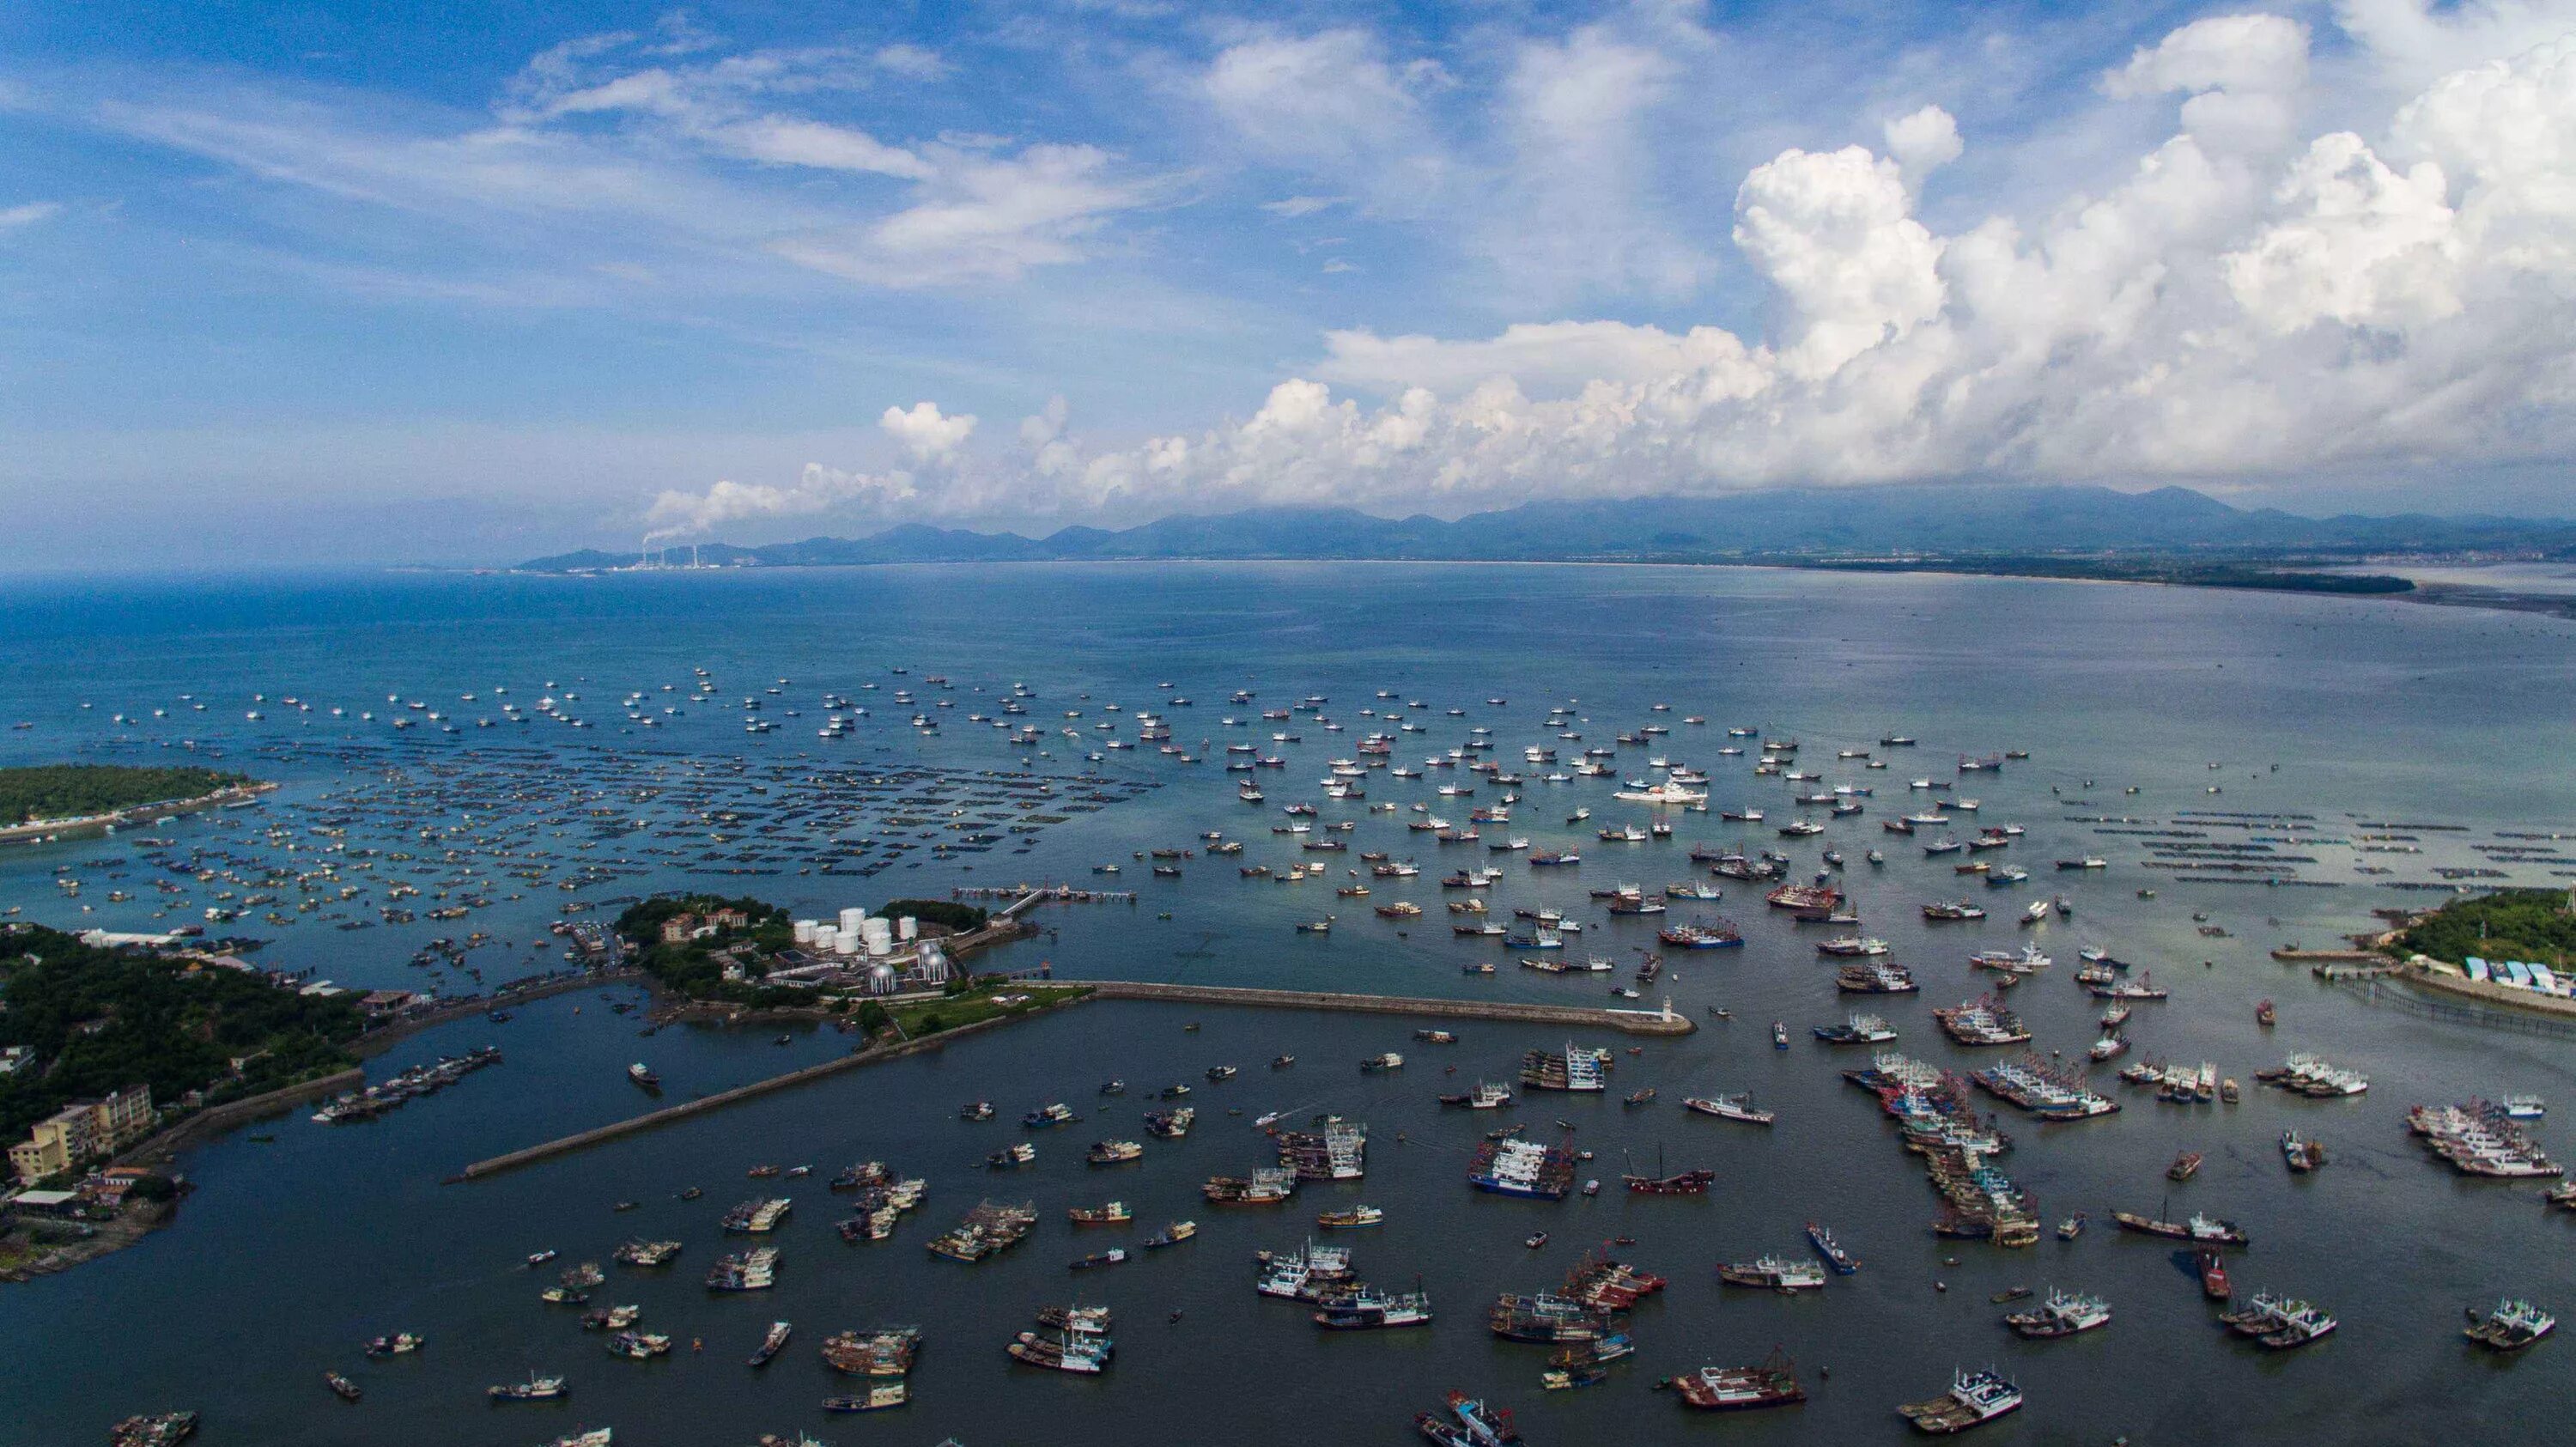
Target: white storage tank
x,y
879,935
907,929
851,920
827,939
805,931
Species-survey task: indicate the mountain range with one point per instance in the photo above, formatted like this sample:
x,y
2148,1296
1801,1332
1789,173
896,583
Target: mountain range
x,y
1954,522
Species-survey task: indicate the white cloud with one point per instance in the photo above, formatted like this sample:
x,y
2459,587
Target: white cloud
x,y
26,214
1295,206
1833,233
2220,311
1923,142
818,489
2241,72
1333,104
924,433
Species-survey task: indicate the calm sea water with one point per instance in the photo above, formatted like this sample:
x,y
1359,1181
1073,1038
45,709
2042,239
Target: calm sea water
x,y
290,1254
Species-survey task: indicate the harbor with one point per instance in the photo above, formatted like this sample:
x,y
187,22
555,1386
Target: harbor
x,y
1312,1051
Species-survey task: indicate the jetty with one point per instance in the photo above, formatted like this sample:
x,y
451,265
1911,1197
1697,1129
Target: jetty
x,y
1664,1021
1661,1022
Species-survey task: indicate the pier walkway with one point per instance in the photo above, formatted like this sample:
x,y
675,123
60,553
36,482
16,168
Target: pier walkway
x,y
1663,1022
1633,1022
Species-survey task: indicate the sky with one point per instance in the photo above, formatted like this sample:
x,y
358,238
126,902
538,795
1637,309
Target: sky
x,y
341,282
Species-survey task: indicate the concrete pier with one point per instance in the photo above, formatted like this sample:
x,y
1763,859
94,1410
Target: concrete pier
x,y
1633,1022
1664,1022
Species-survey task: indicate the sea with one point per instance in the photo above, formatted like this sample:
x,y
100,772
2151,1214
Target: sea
x,y
2255,770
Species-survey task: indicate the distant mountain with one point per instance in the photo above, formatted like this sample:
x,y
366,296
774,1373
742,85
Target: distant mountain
x,y
1949,521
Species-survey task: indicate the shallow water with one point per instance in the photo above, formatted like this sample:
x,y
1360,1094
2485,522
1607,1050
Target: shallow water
x,y
291,1253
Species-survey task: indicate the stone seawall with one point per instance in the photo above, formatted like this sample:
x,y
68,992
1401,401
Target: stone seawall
x,y
655,1119
1632,1022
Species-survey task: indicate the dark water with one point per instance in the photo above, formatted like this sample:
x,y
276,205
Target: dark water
x,y
292,1253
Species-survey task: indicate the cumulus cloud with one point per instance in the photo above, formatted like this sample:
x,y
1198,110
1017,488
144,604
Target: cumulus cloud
x,y
1924,142
2221,309
817,489
2241,72
924,433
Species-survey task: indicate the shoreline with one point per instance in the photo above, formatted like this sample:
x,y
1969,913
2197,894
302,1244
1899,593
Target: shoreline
x,y
82,826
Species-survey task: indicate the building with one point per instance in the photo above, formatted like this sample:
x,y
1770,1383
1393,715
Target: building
x,y
81,1131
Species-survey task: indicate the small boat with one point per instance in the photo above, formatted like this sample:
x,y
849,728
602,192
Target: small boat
x,y
1733,1389
534,1389
2213,1274
2301,1155
1111,1257
2071,1227
1282,1062
1172,1235
1353,1218
643,1075
2062,1314
2184,1167
1468,1423
2010,1293
1779,1035
1535,1240
397,1344
342,1387
770,1344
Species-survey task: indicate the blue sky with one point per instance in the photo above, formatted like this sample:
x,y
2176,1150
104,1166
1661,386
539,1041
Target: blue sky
x,y
360,281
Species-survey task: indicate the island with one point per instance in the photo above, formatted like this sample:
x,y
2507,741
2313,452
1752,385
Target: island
x,y
48,799
897,972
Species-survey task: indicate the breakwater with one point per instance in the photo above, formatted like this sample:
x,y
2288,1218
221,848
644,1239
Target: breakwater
x,y
669,1114
1632,1022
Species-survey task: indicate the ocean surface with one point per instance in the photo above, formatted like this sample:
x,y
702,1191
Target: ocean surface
x,y
2313,738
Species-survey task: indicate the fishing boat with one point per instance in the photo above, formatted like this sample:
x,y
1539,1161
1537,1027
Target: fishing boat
x,y
1018,1154
1355,1217
2184,1167
1114,1256
879,1396
1735,1107
770,1344
1172,1235
342,1387
1368,1310
2512,1326
1842,1261
534,1389
1774,1383
977,1110
397,1344
2213,1274
1857,1030
1113,1214
886,1352
1975,1398
643,1075
1486,1096
639,1345
2198,1228
1468,1423
2062,1314
1773,1273
2301,1155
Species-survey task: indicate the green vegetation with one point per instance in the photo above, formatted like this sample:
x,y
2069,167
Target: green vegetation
x,y
695,967
977,1003
97,1020
71,791
945,913
2511,924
